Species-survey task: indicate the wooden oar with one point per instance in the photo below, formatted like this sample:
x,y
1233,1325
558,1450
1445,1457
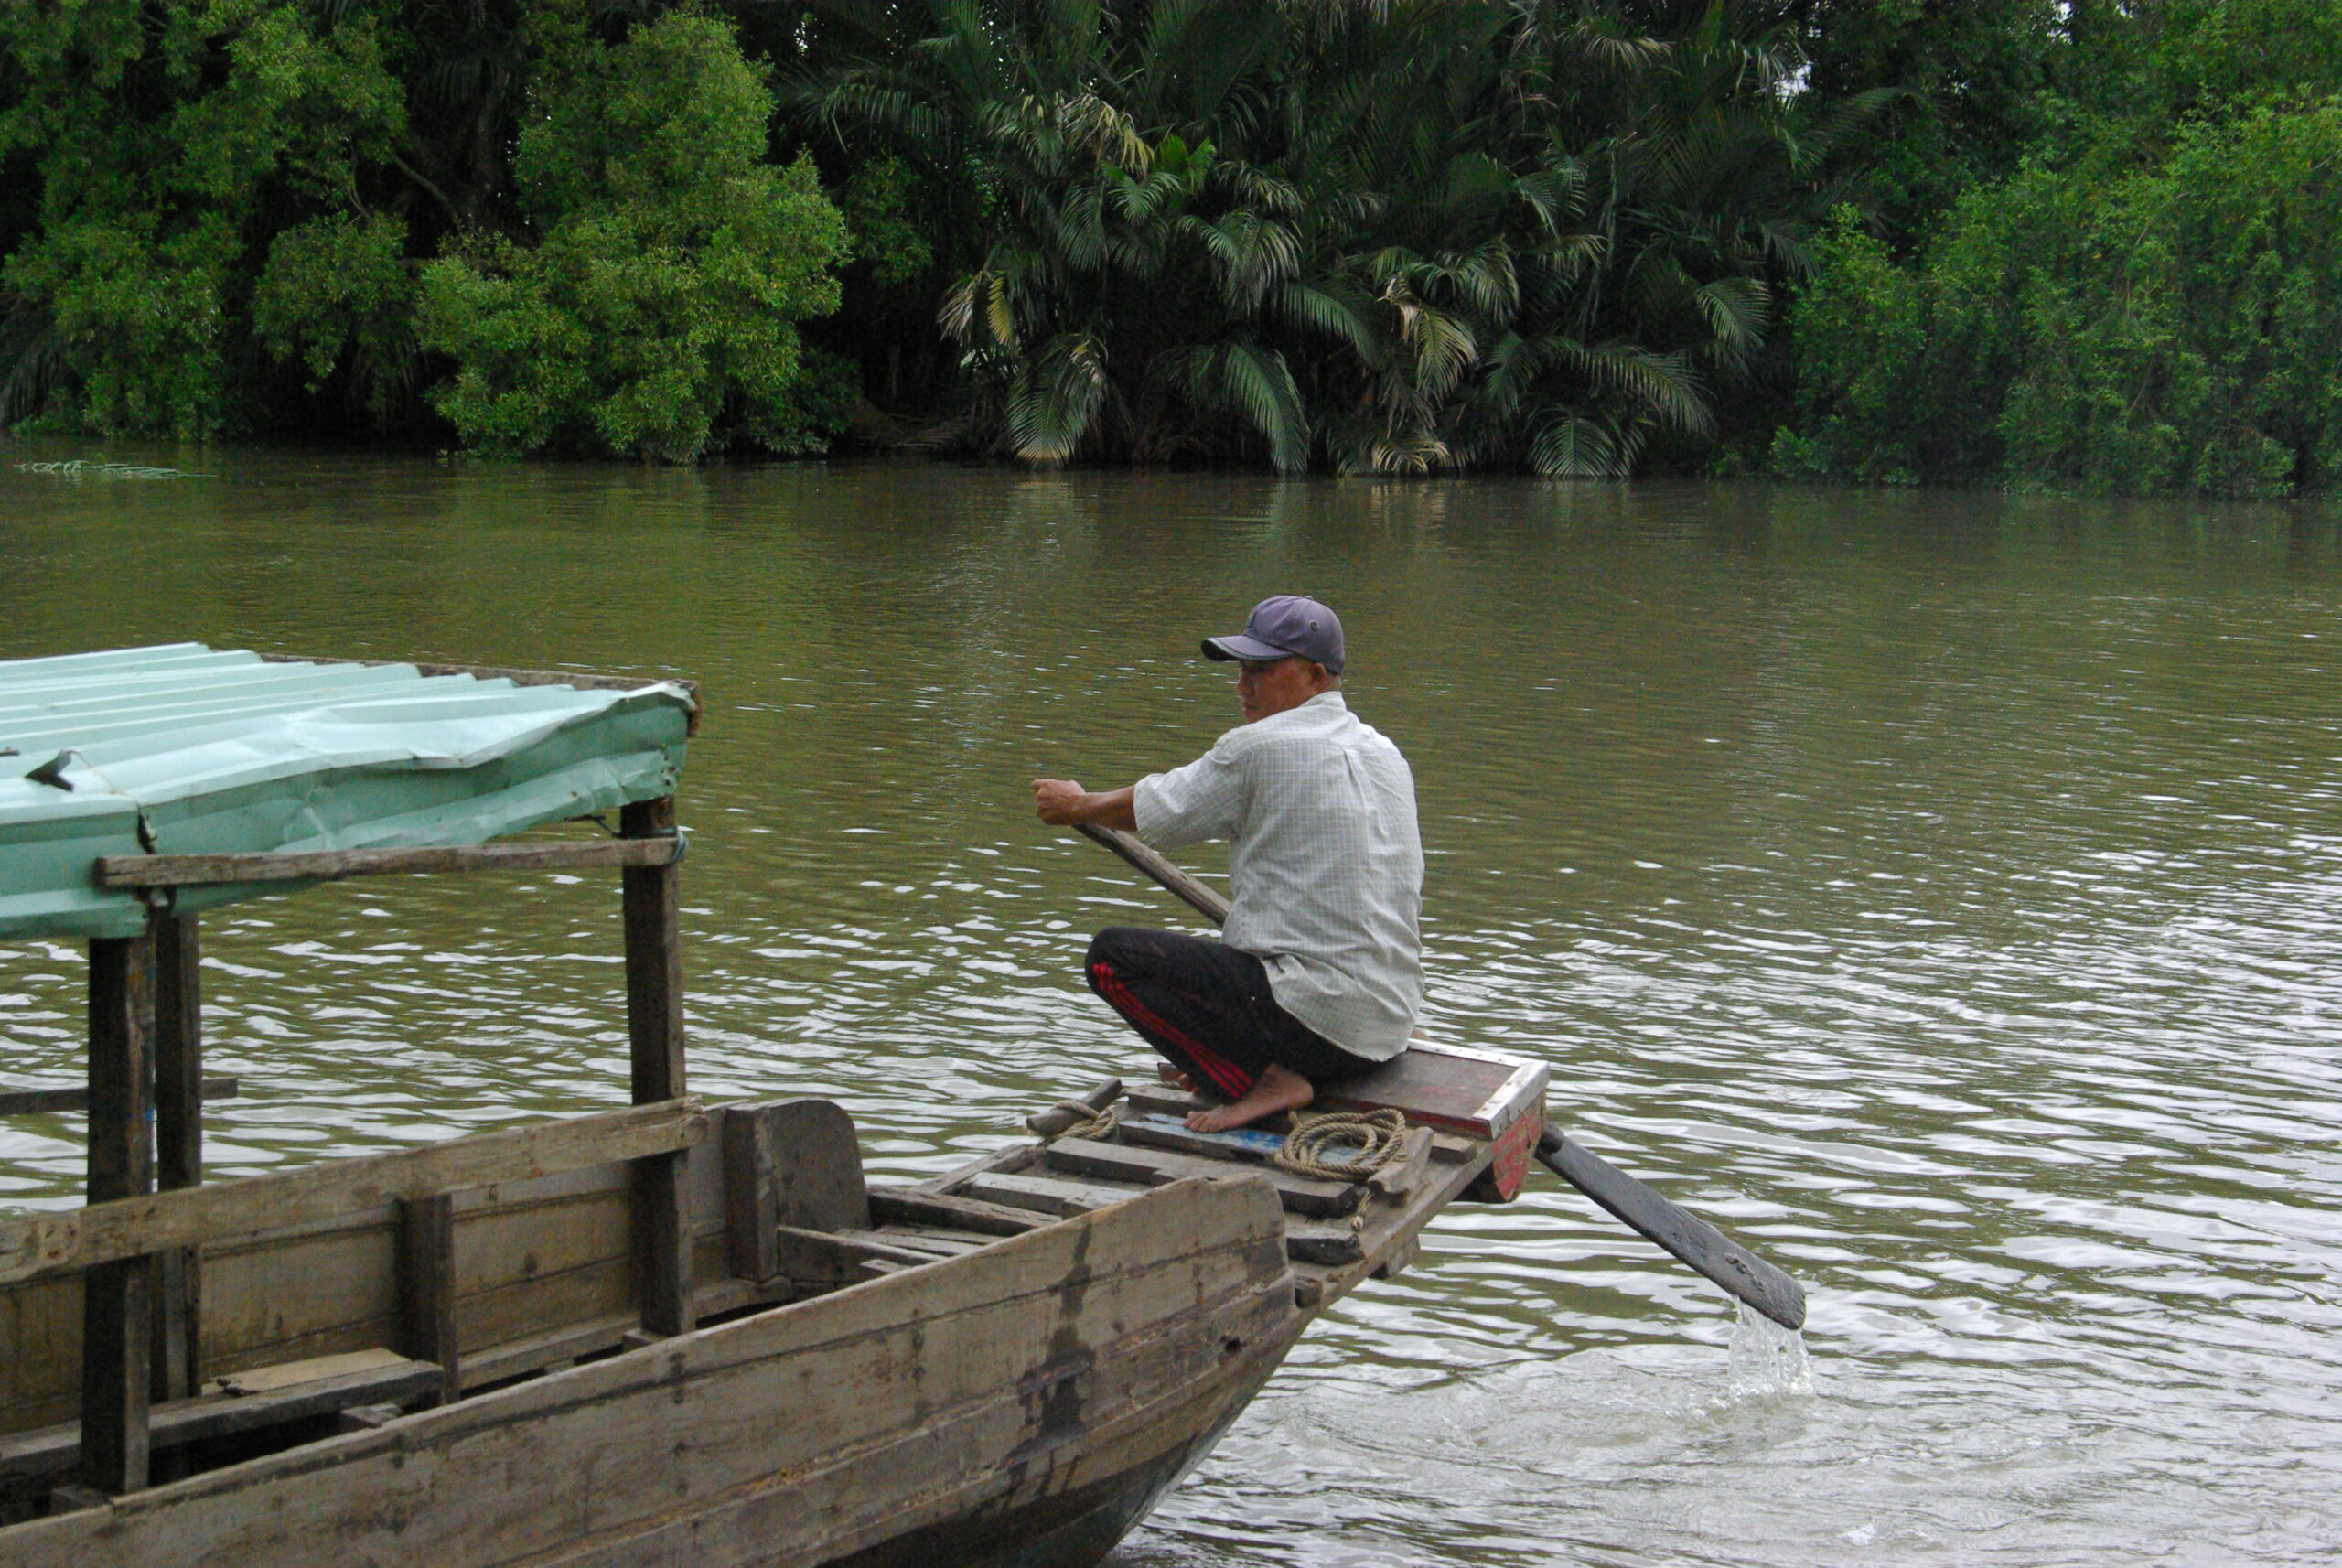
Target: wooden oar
x,y
1740,1272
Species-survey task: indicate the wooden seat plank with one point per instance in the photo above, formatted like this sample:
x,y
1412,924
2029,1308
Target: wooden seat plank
x,y
1300,1195
1049,1195
900,1205
52,1450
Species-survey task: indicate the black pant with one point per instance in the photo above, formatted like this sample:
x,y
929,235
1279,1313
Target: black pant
x,y
1207,1008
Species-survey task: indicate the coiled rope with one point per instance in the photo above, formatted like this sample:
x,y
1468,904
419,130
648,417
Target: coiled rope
x,y
1374,1137
1093,1124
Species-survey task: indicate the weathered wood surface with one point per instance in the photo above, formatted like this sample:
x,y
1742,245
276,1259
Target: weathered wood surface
x,y
179,1090
427,1269
532,1257
64,1102
1049,1195
651,897
1042,1365
117,1297
577,680
56,1449
899,1205
1121,1162
1399,1176
341,865
133,1227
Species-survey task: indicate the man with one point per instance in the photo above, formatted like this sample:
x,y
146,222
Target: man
x,y
1318,975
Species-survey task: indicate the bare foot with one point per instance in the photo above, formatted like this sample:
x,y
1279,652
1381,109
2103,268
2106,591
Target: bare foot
x,y
1175,1078
1278,1089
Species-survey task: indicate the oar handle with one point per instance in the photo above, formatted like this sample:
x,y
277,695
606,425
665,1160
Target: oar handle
x,y
1740,1272
1205,901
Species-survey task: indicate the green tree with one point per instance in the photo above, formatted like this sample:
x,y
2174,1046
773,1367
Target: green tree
x,y
1405,236
2147,305
652,309
165,135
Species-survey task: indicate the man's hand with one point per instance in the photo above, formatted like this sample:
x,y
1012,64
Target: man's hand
x,y
1058,800
1063,803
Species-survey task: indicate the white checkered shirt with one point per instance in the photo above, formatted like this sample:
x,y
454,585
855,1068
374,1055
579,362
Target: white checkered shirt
x,y
1328,867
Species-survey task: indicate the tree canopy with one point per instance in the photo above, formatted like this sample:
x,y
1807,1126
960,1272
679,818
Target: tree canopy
x,y
2063,243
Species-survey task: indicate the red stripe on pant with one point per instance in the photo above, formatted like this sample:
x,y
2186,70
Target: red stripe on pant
x,y
1230,1079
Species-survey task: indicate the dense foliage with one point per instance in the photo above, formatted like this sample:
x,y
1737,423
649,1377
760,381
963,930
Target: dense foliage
x,y
2150,304
2068,242
258,215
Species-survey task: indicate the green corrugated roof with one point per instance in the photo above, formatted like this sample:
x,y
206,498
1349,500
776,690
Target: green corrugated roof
x,y
181,750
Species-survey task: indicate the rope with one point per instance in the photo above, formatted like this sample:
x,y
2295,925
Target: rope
x,y
1373,1136
1093,1124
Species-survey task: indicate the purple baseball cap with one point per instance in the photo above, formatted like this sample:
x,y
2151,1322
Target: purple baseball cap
x,y
1289,626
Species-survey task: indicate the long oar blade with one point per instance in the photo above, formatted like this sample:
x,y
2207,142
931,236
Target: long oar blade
x,y
1693,1240
1689,1237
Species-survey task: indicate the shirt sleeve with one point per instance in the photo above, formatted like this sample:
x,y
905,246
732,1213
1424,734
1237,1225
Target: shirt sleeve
x,y
1205,800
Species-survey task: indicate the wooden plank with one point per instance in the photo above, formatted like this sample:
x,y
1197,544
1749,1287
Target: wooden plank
x,y
178,1145
817,1166
65,1101
1049,1195
228,1211
1300,1195
819,1257
1481,1095
1068,1356
1156,1105
339,865
427,1269
654,1010
1244,1144
751,1201
899,1205
576,679
55,1450
1399,1177
117,1329
1317,1241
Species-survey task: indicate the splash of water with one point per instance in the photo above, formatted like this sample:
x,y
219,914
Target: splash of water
x,y
1766,1358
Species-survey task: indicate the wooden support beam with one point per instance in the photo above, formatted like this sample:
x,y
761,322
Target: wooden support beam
x,y
222,1212
339,865
65,1101
179,1145
116,1330
899,1206
654,1010
426,1275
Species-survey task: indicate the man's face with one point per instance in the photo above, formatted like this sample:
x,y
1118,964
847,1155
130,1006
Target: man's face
x,y
1276,685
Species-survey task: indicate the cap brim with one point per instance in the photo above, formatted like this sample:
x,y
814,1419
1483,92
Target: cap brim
x,y
1251,650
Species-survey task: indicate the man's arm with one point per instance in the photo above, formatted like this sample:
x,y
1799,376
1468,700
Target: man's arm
x,y
1061,803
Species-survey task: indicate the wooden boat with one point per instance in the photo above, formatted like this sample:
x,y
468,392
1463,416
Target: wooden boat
x,y
670,1333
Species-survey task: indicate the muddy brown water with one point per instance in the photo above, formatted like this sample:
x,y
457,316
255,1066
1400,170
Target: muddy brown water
x,y
1940,889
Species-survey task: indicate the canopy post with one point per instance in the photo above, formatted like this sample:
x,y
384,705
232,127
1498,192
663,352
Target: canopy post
x,y
179,1144
654,1007
116,1327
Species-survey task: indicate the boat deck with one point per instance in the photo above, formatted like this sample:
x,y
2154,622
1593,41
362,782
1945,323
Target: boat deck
x,y
1482,1109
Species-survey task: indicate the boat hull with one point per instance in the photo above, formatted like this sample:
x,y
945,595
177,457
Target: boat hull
x,y
1022,1404
1073,1530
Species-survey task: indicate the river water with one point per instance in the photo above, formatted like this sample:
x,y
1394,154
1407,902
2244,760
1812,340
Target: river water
x,y
1939,890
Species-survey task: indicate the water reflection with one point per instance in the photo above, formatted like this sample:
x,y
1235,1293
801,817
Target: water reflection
x,y
1939,890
